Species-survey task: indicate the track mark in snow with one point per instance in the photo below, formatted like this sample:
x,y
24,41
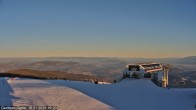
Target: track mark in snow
x,y
43,93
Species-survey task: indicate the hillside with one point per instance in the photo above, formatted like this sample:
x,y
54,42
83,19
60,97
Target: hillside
x,y
46,74
28,73
142,94
179,78
129,94
30,92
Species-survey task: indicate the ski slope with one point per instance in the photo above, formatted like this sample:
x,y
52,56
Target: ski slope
x,y
137,94
129,94
28,92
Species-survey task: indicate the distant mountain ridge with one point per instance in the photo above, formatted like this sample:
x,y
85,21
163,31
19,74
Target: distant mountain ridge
x,y
97,66
189,60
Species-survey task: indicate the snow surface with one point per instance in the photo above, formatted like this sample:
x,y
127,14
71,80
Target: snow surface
x,y
28,92
129,94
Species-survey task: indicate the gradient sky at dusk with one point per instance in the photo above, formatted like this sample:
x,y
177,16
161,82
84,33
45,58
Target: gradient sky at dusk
x,y
97,28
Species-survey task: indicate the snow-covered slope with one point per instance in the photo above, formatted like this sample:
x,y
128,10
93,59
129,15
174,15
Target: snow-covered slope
x,y
27,92
128,94
134,94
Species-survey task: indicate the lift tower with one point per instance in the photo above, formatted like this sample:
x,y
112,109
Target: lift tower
x,y
166,69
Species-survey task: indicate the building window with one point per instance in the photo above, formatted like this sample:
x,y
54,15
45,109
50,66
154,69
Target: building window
x,y
147,75
134,68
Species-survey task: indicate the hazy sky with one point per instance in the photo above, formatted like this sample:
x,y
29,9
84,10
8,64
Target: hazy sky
x,y
97,28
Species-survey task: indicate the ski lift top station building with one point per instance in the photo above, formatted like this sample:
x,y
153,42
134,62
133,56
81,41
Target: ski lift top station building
x,y
155,71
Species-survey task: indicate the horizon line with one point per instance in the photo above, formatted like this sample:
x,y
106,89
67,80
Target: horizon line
x,y
95,57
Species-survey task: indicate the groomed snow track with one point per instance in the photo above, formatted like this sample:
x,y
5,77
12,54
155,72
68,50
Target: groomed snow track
x,y
129,94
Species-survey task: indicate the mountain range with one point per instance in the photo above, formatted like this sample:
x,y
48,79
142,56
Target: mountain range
x,y
111,68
